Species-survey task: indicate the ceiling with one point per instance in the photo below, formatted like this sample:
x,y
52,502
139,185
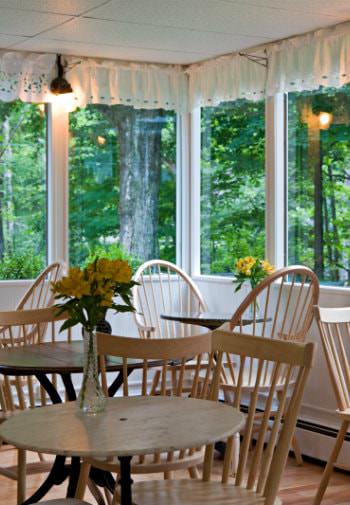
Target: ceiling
x,y
164,31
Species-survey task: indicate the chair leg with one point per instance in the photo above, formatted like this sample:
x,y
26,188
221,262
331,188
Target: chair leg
x,y
235,453
330,463
83,478
21,476
297,451
194,473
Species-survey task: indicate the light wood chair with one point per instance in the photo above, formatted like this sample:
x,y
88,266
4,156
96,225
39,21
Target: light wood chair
x,y
26,327
279,308
39,294
260,470
164,288
169,379
334,327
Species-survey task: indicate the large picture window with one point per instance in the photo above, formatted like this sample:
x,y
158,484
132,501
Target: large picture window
x,y
23,216
122,191
319,183
232,184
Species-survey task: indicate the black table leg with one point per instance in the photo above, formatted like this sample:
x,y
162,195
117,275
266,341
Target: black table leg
x,y
73,477
68,385
125,480
49,388
117,383
58,474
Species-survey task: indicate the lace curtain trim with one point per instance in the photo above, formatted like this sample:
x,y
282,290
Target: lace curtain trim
x,y
225,79
321,58
139,85
301,63
26,76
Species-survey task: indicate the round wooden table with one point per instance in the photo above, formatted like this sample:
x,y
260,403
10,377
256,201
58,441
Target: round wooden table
x,y
63,359
210,320
129,426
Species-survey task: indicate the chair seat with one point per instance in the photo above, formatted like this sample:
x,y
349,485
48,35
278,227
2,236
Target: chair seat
x,y
149,465
343,414
193,492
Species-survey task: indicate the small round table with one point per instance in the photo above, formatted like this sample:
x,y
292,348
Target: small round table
x,y
129,426
63,359
210,320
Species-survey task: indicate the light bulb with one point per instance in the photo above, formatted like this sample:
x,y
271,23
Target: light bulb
x,y
325,119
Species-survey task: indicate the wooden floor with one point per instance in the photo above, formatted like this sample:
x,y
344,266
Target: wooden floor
x,y
297,488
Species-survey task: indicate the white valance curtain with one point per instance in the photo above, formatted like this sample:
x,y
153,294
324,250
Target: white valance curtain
x,y
143,86
26,76
321,58
224,79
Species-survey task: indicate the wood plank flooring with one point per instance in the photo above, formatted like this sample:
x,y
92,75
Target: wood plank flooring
x,y
298,485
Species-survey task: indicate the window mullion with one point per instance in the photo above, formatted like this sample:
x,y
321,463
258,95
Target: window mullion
x,y
275,179
57,183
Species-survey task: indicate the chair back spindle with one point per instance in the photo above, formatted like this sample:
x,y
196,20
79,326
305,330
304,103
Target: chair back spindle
x,y
164,288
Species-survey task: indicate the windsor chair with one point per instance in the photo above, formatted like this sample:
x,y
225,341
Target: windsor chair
x,y
279,308
162,382
19,328
260,470
334,328
164,288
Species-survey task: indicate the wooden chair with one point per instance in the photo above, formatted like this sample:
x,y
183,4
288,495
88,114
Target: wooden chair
x,y
279,308
260,470
169,379
26,327
164,288
334,327
39,294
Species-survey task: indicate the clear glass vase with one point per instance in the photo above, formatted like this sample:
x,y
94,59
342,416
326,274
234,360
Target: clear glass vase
x,y
91,399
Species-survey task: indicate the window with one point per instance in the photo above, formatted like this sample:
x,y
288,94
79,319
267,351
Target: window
x,y
319,183
232,184
122,192
23,217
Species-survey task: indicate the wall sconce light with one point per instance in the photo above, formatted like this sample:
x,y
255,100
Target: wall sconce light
x,y
60,85
325,119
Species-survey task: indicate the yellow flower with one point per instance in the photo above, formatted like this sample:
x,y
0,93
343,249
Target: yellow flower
x,y
267,267
73,285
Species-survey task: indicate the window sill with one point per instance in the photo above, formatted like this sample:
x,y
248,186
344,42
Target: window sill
x,y
324,289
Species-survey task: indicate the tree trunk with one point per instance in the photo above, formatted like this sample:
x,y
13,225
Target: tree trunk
x,y
139,137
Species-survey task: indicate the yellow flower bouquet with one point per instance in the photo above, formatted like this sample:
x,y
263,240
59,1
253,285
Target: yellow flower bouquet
x,y
251,269
89,292
86,294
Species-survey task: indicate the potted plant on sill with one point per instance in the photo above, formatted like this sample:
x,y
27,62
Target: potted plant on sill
x,y
86,294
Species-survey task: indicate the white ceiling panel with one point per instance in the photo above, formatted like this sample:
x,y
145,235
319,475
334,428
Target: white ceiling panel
x,y
106,51
222,16
150,37
28,23
174,31
69,7
10,40
333,8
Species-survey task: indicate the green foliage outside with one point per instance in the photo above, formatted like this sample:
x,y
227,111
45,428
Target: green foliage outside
x,y
232,184
22,190
319,183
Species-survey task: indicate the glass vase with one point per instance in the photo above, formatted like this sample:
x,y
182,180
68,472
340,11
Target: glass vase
x,y
91,399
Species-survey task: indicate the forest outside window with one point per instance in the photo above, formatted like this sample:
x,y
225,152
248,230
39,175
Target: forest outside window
x,y
122,183
23,195
232,184
319,183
